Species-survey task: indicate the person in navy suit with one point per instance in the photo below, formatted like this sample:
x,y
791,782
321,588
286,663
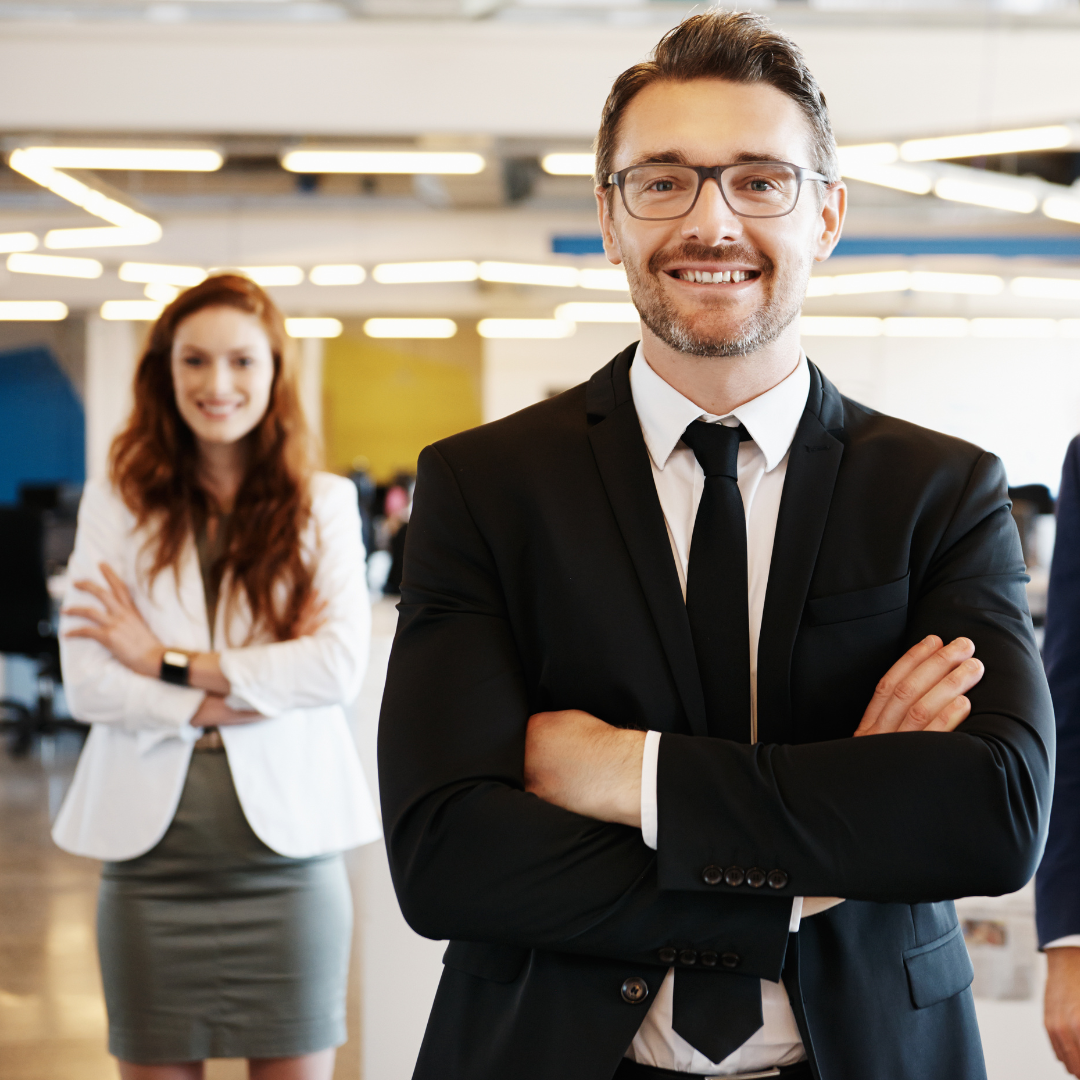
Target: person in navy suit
x,y
1057,884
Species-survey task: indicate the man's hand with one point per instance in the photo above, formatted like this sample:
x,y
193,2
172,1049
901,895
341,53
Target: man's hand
x,y
924,690
1061,1009
578,762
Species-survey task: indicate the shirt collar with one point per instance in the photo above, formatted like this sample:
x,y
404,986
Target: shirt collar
x,y
664,413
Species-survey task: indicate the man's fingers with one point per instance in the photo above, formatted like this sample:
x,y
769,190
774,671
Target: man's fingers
x,y
952,716
900,670
958,681
917,684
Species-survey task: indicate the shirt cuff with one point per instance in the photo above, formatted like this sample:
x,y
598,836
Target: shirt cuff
x,y
1070,941
796,915
649,759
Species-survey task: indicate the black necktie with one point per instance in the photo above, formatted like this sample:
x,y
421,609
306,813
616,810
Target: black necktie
x,y
714,1011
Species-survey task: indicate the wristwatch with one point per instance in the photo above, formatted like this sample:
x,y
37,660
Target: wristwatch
x,y
175,667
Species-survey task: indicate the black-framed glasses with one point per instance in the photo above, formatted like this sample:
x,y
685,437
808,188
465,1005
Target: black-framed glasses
x,y
658,192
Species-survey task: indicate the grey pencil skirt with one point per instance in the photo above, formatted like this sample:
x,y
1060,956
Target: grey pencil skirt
x,y
212,945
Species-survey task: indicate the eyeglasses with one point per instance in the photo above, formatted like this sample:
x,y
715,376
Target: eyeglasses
x,y
762,189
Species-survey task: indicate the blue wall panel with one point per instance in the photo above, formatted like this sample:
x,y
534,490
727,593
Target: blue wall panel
x,y
42,427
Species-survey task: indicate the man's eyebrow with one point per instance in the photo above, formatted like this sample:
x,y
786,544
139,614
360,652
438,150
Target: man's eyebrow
x,y
677,157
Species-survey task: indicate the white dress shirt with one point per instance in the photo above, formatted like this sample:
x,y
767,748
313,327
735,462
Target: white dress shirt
x,y
297,773
771,420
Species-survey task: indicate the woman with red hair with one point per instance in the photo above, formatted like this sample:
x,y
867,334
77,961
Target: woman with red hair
x,y
216,622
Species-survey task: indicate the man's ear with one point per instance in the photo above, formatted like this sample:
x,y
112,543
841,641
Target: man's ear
x,y
831,221
604,201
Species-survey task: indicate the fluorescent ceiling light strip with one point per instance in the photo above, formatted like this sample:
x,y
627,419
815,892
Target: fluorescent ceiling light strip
x,y
54,265
905,326
164,294
32,311
17,241
336,274
410,328
568,164
1046,288
880,282
884,153
131,310
997,196
597,313
383,161
135,158
1016,141
821,285
106,236
526,274
1069,328
313,328
839,326
425,272
267,276
142,229
518,329
161,273
909,178
1062,208
612,280
1013,328
967,284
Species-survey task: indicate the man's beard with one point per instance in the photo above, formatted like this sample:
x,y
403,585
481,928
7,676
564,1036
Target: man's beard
x,y
762,327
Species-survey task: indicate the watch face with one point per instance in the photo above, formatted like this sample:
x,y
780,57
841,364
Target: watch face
x,y
176,659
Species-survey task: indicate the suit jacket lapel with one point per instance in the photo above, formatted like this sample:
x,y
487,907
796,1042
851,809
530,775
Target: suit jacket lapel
x,y
623,461
813,462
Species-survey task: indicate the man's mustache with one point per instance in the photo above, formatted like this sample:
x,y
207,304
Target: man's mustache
x,y
741,253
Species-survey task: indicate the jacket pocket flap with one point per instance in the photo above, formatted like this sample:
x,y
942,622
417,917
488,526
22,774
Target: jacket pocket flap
x,y
938,970
499,963
842,607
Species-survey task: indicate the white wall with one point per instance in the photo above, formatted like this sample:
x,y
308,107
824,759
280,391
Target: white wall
x,y
111,355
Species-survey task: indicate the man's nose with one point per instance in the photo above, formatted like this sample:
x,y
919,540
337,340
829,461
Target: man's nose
x,y
712,221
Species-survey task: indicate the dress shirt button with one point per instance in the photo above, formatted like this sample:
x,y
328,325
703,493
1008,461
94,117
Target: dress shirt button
x,y
735,876
755,877
712,875
634,990
688,957
730,960
708,958
777,879
667,956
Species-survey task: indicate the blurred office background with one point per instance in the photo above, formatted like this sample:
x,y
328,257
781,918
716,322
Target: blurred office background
x,y
410,180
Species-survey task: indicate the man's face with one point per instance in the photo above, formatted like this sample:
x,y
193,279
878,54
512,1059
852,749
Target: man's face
x,y
715,122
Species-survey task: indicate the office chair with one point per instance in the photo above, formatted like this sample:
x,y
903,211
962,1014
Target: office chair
x,y
26,624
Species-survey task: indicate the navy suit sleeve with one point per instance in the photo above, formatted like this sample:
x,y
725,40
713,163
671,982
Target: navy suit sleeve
x,y
1057,885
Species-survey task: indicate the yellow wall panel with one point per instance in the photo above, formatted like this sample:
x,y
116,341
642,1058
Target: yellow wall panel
x,y
387,399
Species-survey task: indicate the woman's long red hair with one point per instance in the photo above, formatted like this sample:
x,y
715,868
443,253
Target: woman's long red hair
x,y
153,465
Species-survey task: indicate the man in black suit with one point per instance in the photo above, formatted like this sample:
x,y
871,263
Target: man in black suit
x,y
617,767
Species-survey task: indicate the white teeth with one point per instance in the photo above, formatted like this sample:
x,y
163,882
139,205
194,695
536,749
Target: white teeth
x,y
703,277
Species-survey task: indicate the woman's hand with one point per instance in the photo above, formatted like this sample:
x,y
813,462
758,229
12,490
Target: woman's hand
x,y
213,712
118,625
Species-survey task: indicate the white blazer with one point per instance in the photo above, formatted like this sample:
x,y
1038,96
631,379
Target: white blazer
x,y
297,773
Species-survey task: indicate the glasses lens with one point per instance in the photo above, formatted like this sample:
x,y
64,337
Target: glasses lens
x,y
761,189
659,191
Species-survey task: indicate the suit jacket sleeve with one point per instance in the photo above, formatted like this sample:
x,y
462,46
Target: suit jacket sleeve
x,y
1057,885
903,817
473,856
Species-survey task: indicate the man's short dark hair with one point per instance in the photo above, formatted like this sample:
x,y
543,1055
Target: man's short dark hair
x,y
735,45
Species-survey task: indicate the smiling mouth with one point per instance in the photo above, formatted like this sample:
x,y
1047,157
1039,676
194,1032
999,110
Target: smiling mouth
x,y
218,411
719,277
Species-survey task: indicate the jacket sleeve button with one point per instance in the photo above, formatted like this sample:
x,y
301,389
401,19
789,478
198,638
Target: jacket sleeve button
x,y
708,958
634,990
688,957
730,960
667,956
712,875
735,876
777,879
755,877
